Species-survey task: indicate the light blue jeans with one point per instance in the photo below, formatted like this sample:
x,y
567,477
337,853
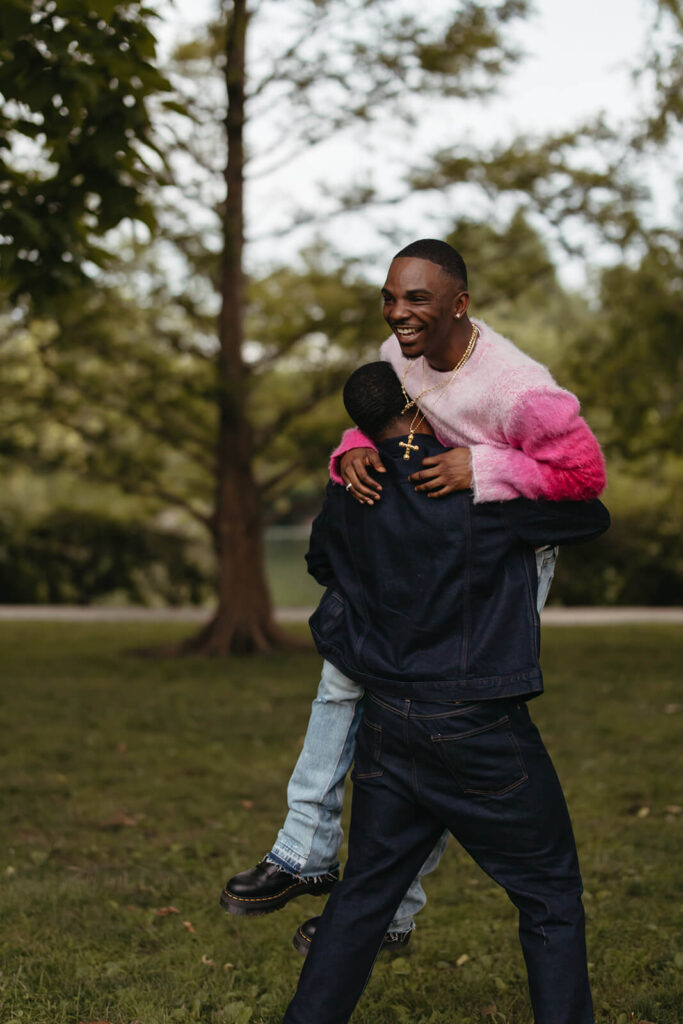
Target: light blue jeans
x,y
309,841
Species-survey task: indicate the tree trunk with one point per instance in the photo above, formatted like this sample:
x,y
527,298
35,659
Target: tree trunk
x,y
243,622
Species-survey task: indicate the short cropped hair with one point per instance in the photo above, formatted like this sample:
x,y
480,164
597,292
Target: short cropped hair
x,y
373,397
441,253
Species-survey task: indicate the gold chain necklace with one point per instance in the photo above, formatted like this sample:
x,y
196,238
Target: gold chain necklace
x,y
419,414
410,402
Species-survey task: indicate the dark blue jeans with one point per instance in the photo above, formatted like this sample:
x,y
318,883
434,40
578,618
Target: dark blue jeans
x,y
481,770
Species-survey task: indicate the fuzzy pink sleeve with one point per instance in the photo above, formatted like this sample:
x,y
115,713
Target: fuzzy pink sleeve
x,y
351,438
553,453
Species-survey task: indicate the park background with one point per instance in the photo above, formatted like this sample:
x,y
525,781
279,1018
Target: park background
x,y
198,204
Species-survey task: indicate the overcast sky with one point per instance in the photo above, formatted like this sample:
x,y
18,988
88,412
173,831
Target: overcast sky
x,y
579,56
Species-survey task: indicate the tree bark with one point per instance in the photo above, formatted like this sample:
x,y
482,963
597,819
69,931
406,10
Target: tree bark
x,y
243,622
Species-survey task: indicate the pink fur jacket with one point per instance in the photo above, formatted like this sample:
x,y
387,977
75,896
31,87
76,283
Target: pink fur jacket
x,y
524,432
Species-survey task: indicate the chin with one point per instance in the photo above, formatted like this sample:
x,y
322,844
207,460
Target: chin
x,y
410,351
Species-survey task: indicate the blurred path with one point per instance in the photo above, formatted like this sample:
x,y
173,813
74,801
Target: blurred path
x,y
601,616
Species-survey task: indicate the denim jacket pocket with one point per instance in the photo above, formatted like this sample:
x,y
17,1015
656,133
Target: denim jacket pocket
x,y
328,618
331,608
368,751
486,761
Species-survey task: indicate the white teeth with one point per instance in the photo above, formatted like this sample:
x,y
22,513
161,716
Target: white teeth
x,y
407,332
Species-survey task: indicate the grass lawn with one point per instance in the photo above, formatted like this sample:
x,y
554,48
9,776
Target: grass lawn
x,y
132,785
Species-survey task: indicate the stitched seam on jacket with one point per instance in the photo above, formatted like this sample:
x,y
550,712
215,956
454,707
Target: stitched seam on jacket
x,y
467,581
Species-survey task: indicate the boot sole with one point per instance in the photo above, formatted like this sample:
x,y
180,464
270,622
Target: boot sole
x,y
259,906
301,943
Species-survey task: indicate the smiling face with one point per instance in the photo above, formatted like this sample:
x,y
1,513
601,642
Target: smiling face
x,y
422,304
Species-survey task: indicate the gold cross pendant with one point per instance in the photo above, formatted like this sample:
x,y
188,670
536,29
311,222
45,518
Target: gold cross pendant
x,y
408,445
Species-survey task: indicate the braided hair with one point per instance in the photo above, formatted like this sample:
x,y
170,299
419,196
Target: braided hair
x,y
373,397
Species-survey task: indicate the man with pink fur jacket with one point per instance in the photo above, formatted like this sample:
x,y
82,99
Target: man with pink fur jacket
x,y
511,432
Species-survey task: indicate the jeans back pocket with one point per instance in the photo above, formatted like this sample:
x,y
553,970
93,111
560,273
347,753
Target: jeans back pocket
x,y
485,761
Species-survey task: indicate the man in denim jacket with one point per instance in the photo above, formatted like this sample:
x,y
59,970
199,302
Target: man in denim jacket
x,y
514,432
432,607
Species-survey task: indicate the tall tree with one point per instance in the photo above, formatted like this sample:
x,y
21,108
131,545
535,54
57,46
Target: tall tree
x,y
325,79
326,59
148,428
312,77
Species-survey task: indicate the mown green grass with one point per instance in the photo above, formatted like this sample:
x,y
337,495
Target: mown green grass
x,y
130,785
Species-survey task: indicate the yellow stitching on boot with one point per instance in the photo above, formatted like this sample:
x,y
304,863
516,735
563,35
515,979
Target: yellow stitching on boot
x,y
258,899
261,899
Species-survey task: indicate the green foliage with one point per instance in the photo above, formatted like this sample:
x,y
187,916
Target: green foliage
x,y
77,147
514,285
324,70
82,557
628,363
135,785
147,427
118,384
506,264
662,69
120,388
639,561
115,390
314,326
625,362
572,178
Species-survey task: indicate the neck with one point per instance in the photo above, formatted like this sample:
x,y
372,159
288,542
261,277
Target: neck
x,y
401,427
450,354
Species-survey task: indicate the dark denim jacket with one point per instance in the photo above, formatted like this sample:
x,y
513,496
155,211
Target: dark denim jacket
x,y
435,598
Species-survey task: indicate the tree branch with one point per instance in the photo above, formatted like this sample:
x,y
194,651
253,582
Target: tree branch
x,y
266,487
320,392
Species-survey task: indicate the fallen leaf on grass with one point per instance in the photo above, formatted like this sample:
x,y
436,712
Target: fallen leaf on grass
x,y
165,911
189,926
206,960
462,959
247,804
227,967
489,1010
673,809
119,820
642,812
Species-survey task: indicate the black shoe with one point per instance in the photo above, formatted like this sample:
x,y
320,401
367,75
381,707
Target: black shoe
x,y
393,942
267,887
